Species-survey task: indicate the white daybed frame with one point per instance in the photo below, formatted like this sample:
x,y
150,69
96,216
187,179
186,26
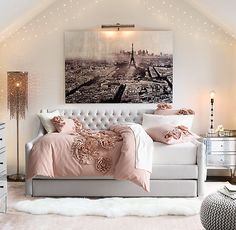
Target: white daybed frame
x,y
169,183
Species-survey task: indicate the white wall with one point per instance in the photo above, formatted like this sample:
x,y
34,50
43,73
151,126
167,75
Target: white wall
x,y
203,57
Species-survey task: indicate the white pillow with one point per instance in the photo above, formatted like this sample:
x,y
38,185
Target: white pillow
x,y
45,119
153,120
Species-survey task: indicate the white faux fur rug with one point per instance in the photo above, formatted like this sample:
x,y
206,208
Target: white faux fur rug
x,y
111,207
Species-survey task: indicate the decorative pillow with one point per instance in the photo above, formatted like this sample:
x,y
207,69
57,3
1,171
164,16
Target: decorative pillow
x,y
163,106
170,134
45,119
66,125
166,109
153,120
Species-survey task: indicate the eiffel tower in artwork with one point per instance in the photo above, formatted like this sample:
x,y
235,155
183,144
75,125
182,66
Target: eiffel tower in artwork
x,y
132,60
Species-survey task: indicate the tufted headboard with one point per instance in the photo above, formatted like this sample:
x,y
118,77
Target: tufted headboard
x,y
102,118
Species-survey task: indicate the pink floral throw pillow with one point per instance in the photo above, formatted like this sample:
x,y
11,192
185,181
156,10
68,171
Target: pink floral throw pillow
x,y
170,134
164,106
65,125
166,109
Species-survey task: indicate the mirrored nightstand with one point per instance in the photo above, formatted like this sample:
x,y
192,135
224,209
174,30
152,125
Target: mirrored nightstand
x,y
3,170
221,153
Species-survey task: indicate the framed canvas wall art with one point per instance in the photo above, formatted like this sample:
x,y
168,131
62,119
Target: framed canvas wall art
x,y
118,66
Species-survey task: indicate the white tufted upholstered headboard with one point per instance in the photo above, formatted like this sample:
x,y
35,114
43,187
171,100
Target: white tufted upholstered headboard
x,y
102,118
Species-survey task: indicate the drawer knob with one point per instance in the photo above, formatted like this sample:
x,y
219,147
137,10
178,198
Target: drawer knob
x,y
1,186
0,139
1,163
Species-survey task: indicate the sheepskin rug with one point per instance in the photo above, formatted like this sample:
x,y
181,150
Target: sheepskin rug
x,y
111,207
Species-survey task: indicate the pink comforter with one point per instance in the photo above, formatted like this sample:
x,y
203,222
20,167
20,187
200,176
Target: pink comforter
x,y
52,156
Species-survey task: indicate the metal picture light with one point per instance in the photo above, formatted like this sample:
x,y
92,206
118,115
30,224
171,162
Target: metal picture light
x,y
17,99
118,26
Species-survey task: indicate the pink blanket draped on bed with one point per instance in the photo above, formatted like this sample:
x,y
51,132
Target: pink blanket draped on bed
x,y
88,153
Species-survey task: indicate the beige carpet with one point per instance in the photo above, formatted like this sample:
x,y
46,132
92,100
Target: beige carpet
x,y
20,221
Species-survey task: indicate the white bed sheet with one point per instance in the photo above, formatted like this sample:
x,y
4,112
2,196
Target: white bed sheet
x,y
178,154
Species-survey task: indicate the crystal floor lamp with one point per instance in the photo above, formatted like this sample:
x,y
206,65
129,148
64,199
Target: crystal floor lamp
x,y
17,99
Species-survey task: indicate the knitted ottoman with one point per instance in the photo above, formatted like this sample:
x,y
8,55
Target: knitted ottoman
x,y
218,212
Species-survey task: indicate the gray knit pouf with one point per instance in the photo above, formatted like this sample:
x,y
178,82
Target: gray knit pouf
x,y
218,212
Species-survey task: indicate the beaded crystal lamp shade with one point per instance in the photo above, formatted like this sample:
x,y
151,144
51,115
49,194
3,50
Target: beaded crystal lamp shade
x,y
17,94
17,99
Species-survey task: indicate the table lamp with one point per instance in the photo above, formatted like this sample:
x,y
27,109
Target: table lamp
x,y
212,100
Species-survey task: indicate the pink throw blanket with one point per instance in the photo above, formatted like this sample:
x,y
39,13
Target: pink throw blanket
x,y
89,153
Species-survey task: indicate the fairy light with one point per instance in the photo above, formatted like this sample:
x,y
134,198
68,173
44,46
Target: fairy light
x,y
166,11
204,26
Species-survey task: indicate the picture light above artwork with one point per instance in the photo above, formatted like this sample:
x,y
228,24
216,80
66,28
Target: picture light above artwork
x,y
118,26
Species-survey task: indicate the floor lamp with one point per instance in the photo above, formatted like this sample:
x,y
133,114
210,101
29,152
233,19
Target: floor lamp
x,y
211,131
17,85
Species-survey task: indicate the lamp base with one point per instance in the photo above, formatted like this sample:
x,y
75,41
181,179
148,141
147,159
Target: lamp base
x,y
16,177
211,133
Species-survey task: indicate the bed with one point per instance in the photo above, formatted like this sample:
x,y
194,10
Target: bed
x,y
178,170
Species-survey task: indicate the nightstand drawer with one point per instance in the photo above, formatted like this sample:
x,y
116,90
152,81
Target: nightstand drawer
x,y
221,160
3,188
3,166
218,146
221,153
3,204
2,137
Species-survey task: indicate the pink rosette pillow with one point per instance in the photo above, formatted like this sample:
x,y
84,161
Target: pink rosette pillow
x,y
166,109
170,134
66,125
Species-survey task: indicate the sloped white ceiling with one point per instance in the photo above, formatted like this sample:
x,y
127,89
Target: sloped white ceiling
x,y
15,13
222,12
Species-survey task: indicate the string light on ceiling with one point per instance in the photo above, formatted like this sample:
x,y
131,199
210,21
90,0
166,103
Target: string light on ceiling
x,y
173,12
40,24
180,19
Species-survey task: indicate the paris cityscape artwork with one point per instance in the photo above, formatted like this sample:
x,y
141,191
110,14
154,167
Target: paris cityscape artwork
x,y
118,66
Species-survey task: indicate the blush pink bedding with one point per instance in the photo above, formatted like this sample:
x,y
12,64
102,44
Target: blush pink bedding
x,y
166,109
171,134
84,154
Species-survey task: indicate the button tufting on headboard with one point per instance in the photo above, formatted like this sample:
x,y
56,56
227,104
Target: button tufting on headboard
x,y
103,118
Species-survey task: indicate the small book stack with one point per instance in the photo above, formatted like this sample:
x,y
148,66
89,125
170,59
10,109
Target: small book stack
x,y
229,190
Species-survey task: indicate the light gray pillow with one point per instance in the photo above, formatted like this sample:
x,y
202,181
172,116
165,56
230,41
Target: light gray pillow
x,y
153,120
